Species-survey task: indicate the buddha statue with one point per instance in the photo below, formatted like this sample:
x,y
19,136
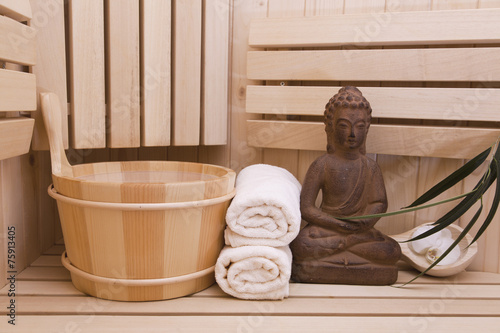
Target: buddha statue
x,y
331,249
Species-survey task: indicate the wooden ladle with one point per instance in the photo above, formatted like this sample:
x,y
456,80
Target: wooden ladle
x,y
420,263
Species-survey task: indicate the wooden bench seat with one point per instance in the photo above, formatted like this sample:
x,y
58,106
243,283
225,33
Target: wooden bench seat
x,y
48,302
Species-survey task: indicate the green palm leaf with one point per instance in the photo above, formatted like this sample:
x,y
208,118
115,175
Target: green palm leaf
x,y
452,179
496,198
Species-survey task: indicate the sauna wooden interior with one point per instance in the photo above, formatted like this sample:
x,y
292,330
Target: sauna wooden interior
x,y
235,83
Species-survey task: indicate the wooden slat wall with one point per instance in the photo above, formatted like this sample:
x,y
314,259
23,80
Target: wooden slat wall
x,y
86,63
155,72
186,72
214,108
19,10
51,73
18,219
443,100
122,65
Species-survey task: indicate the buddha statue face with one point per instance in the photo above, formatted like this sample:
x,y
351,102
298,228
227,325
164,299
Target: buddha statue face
x,y
350,126
347,119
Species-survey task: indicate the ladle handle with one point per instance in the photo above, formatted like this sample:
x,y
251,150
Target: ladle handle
x,y
51,111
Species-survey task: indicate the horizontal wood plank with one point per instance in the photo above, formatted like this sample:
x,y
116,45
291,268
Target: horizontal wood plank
x,y
437,64
446,142
15,136
414,291
385,28
17,42
462,104
17,9
49,305
47,260
45,288
17,91
44,273
261,322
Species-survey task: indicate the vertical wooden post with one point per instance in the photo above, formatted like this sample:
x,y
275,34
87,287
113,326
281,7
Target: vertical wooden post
x,y
186,71
122,73
155,72
86,62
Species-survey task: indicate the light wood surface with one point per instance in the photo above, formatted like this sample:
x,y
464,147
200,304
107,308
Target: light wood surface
x,y
422,97
51,73
17,91
465,64
17,42
380,28
15,136
155,73
187,72
17,9
123,70
458,303
382,139
386,102
86,69
214,112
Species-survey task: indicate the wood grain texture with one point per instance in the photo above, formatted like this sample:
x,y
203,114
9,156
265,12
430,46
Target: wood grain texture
x,y
465,64
87,87
186,71
241,155
123,77
17,9
387,102
50,70
214,113
382,139
460,302
155,73
17,42
15,136
378,28
17,91
271,324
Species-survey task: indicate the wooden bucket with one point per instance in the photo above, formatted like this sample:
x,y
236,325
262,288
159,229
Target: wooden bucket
x,y
141,252
145,182
137,231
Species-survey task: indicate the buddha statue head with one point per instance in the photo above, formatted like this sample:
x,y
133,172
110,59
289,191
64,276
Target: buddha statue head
x,y
347,118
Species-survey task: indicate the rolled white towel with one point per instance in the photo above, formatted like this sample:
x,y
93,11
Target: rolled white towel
x,y
254,272
265,209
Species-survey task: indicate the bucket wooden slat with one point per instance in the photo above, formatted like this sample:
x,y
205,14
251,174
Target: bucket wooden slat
x,y
86,62
186,70
155,73
216,71
123,86
17,42
462,64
